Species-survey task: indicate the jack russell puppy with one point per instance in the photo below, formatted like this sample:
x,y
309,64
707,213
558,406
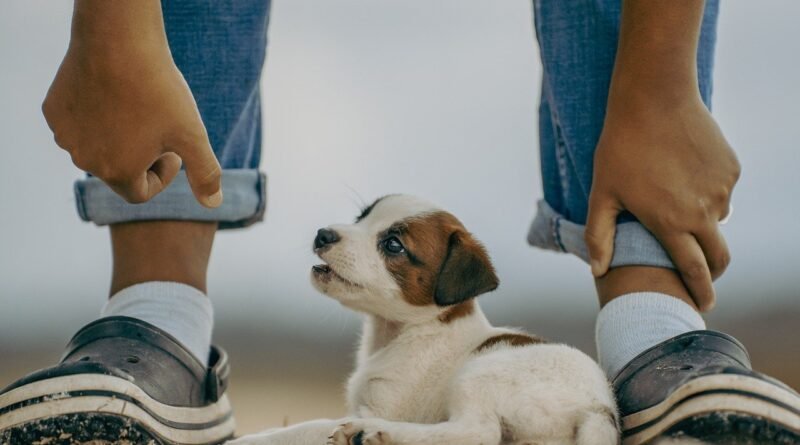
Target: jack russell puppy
x,y
431,370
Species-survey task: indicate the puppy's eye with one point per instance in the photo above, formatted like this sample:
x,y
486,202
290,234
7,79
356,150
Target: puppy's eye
x,y
393,245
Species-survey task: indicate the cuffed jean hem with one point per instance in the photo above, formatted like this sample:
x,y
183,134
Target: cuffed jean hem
x,y
633,244
244,202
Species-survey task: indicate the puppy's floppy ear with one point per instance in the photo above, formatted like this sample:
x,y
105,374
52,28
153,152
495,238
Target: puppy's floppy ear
x,y
466,271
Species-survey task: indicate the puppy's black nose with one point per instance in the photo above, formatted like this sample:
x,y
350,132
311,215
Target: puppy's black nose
x,y
324,238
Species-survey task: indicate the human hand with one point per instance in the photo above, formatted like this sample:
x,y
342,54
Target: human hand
x,y
671,167
123,110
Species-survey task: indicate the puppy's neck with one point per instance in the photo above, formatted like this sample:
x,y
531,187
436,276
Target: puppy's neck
x,y
462,320
378,332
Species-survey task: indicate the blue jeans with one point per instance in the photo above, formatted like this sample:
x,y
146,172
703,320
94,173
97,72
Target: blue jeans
x,y
219,47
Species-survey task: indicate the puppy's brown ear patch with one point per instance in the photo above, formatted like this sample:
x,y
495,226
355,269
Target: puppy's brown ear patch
x,y
466,271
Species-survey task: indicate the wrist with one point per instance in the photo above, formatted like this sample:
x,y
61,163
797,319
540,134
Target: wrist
x,y
111,27
656,61
633,93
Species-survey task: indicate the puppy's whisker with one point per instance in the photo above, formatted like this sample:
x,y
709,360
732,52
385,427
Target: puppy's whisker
x,y
359,205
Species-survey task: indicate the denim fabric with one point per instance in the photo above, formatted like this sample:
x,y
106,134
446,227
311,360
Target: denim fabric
x,y
244,191
578,44
219,46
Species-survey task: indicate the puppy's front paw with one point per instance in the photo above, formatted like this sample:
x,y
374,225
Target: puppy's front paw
x,y
377,438
346,434
352,433
338,436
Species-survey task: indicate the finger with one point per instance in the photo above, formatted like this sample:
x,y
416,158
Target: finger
x,y
132,190
715,249
202,170
601,225
149,183
162,172
688,257
725,217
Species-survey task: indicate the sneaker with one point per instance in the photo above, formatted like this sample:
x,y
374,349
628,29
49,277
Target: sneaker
x,y
701,385
124,381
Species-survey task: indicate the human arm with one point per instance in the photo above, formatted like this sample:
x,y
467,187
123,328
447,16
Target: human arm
x,y
661,156
122,109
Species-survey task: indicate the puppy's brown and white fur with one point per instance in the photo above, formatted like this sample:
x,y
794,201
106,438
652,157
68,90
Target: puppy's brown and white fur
x,y
431,369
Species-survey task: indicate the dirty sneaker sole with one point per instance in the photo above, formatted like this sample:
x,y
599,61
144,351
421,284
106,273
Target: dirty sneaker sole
x,y
84,407
720,409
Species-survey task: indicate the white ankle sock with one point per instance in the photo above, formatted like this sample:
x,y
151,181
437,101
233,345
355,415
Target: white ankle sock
x,y
632,323
180,310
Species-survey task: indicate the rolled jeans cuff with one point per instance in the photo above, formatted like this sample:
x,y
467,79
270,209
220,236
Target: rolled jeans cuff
x,y
633,244
244,202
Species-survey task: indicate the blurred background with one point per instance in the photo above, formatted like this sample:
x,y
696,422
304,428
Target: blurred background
x,y
365,98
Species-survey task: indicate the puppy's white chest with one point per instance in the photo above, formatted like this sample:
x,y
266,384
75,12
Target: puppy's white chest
x,y
402,390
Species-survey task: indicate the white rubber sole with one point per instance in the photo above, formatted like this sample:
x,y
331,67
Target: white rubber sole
x,y
715,393
116,396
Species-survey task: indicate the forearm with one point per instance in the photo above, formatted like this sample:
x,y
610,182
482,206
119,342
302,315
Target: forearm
x,y
118,24
657,51
656,136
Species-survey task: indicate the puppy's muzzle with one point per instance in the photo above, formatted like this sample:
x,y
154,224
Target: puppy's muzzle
x,y
325,238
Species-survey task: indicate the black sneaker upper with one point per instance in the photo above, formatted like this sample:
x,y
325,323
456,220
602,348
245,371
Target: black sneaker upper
x,y
144,354
656,373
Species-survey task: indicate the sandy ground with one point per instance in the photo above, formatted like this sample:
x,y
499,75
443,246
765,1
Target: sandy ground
x,y
278,380
263,396
285,398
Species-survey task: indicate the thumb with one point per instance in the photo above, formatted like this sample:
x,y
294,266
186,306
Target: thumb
x,y
202,170
601,225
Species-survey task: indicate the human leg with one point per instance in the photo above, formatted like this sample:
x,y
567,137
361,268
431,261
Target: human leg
x,y
576,75
645,304
144,371
219,47
161,251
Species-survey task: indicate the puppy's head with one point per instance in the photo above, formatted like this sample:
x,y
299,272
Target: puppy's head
x,y
404,260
